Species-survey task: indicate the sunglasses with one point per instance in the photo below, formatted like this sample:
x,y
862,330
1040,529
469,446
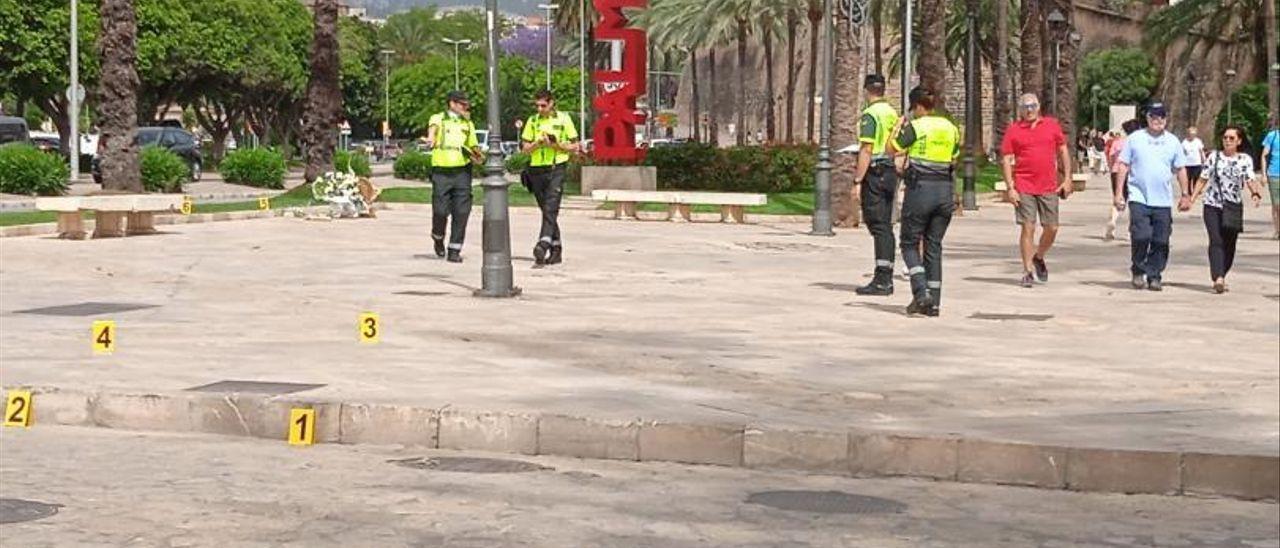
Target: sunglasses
x,y
1030,106
1230,138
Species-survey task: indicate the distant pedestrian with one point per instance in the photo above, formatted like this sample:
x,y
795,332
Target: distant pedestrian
x,y
1118,189
1226,175
1155,158
1099,151
877,182
1037,171
1193,147
549,138
1271,169
451,136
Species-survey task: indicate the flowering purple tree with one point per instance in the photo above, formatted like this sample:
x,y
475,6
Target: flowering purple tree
x,y
531,43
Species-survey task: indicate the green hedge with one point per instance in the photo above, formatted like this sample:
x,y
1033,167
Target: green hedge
x,y
162,171
359,163
697,166
26,170
259,167
413,166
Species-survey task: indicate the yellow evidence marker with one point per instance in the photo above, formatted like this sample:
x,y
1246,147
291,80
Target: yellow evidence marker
x,y
17,412
369,328
302,426
187,205
104,337
264,203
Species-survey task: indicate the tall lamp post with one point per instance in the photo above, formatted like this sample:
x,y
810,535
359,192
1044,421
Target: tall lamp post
x,y
386,94
582,66
822,177
550,28
1057,26
73,94
457,81
496,276
1093,98
969,198
908,34
1231,78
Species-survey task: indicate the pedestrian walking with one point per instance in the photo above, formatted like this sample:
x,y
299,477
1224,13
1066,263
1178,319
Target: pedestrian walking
x,y
1154,158
1099,151
549,138
931,144
1226,176
1037,171
451,136
877,182
1271,169
1193,148
1118,188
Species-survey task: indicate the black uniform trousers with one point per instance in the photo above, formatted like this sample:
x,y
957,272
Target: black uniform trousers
x,y
879,191
450,198
546,183
926,214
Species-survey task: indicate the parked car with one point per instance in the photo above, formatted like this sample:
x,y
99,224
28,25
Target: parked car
x,y
510,147
13,130
47,142
177,141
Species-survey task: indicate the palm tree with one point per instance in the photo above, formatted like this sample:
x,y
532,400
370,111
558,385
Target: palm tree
x,y
815,29
1031,41
118,96
845,114
324,92
933,37
1000,78
793,24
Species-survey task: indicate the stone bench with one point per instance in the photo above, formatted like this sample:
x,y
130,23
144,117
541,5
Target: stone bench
x,y
114,215
679,202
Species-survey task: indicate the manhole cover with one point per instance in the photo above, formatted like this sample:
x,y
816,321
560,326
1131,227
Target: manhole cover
x,y
1012,317
255,387
826,502
470,465
423,293
18,510
86,309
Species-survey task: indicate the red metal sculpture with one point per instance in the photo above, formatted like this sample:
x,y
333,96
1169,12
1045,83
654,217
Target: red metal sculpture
x,y
616,91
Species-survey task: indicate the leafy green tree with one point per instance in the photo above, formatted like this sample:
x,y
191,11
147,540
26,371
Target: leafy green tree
x,y
1249,111
420,32
361,74
1123,76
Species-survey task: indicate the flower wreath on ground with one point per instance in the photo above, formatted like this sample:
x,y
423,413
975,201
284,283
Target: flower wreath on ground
x,y
346,194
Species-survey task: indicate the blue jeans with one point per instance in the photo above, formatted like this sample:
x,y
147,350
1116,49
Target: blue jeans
x,y
1149,231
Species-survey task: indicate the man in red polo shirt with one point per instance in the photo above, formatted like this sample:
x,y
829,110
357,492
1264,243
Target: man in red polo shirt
x,y
1037,170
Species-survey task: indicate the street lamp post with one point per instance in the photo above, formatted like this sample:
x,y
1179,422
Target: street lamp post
x,y
73,95
386,95
1057,25
969,197
550,28
582,66
908,33
457,82
1094,100
822,178
1231,77
496,276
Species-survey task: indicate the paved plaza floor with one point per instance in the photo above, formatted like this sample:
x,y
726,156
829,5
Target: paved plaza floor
x,y
745,324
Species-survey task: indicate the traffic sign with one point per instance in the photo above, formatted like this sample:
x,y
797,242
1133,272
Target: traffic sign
x,y
80,93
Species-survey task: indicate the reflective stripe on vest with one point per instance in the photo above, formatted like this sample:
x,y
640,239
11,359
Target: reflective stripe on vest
x,y
452,135
558,125
885,118
936,140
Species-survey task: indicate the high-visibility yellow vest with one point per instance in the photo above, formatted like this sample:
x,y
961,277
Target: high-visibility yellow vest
x,y
886,118
937,140
454,137
561,126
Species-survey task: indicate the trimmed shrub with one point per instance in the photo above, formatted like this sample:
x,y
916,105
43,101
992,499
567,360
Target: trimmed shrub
x,y
162,171
517,162
413,166
26,170
359,163
258,167
697,166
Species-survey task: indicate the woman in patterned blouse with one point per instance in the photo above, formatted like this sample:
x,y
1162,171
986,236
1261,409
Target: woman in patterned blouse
x,y
1225,176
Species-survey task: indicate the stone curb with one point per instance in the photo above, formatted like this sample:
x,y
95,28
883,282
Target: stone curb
x,y
45,229
852,453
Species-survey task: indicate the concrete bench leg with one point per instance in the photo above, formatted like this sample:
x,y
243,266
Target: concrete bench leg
x,y
108,224
142,222
731,214
70,225
624,210
679,213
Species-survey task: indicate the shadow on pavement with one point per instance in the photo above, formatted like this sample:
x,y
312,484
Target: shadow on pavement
x,y
835,286
895,309
1010,281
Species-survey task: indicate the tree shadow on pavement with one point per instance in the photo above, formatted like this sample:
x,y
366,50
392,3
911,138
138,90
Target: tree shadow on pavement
x,y
834,286
897,310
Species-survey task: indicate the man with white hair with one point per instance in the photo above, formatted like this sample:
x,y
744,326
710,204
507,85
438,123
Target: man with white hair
x,y
1037,171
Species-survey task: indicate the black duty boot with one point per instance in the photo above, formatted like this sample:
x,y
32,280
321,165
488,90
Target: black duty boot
x,y
439,246
556,255
455,256
922,304
881,284
540,253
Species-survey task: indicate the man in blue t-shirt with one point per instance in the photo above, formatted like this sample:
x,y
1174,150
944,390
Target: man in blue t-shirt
x,y
1150,161
1271,168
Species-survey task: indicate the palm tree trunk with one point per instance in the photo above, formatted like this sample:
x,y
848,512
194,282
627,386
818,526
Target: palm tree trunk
x,y
877,33
793,21
815,26
1065,103
1273,93
1000,78
324,92
696,115
118,96
742,82
770,110
933,44
713,121
844,123
1032,68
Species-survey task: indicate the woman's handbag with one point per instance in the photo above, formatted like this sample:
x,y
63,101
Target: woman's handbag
x,y
1232,216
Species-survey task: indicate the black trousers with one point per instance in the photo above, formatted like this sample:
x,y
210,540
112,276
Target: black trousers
x,y
926,214
546,183
450,198
1222,243
879,191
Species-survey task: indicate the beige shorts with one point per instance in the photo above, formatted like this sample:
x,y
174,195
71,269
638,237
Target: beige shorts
x,y
1044,206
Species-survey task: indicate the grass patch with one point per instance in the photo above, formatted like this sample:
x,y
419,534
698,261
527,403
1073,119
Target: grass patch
x,y
29,218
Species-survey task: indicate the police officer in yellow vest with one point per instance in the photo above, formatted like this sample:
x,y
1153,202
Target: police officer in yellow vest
x,y
878,182
549,138
932,144
452,139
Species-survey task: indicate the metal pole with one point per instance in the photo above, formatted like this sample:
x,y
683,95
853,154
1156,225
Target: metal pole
x,y
1053,91
969,197
496,276
457,80
582,67
908,25
73,144
386,97
822,178
550,30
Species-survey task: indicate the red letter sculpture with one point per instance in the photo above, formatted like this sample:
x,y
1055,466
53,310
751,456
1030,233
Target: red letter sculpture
x,y
615,102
